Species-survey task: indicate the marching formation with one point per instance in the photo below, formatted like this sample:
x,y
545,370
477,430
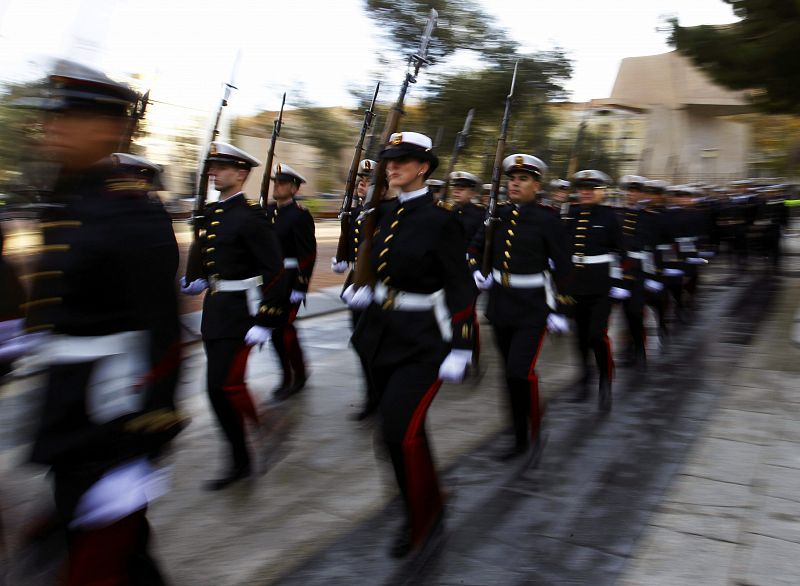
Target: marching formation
x,y
101,314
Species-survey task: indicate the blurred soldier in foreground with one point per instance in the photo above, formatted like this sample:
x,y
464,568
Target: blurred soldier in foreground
x,y
242,265
416,330
12,296
104,304
521,291
294,227
594,238
364,173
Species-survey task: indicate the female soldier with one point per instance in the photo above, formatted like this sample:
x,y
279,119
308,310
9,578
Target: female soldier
x,y
419,310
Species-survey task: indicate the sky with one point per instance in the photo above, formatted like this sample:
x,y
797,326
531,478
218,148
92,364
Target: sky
x,y
184,50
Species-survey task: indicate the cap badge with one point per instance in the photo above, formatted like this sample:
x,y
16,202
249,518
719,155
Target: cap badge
x,y
367,165
519,161
397,138
212,150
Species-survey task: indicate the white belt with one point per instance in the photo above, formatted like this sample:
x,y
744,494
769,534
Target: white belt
x,y
252,286
528,281
394,299
121,363
664,247
290,263
646,258
686,239
592,260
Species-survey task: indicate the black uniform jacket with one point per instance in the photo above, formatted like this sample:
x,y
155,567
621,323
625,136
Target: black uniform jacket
x,y
12,295
591,230
238,243
471,217
107,266
641,232
525,240
418,247
294,226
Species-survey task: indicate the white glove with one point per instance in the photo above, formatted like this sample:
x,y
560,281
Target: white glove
x,y
296,296
454,366
361,297
195,287
557,323
481,282
653,285
347,294
11,328
672,273
257,335
619,293
339,266
696,261
14,348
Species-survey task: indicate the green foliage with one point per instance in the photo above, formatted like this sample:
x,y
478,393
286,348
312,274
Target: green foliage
x,y
759,52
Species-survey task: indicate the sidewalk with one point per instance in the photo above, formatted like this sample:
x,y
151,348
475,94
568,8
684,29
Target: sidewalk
x,y
732,515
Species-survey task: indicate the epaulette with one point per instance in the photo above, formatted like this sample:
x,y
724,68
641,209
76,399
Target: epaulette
x,y
479,205
446,205
253,204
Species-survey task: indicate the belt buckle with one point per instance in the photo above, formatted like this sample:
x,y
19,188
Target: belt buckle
x,y
505,280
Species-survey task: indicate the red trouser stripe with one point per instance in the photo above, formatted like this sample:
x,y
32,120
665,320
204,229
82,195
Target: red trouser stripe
x,y
533,381
422,484
236,389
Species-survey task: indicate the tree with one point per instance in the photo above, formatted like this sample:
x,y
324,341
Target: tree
x,y
758,52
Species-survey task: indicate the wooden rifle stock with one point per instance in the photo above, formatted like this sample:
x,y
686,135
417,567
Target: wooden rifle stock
x,y
491,213
364,272
345,213
276,131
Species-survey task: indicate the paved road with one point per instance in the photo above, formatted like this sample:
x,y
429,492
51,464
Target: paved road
x,y
324,514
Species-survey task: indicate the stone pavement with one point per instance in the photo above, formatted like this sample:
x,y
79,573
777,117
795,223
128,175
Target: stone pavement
x,y
732,516
592,512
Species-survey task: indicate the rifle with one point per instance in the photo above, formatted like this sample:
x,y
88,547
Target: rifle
x,y
371,143
491,214
365,274
461,142
345,213
276,131
136,116
194,263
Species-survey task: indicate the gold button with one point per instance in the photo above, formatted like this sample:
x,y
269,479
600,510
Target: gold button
x,y
356,230
513,222
400,211
515,212
511,233
215,223
394,224
210,263
383,252
581,227
355,250
218,211
508,243
381,266
508,254
386,280
210,249
211,236
389,237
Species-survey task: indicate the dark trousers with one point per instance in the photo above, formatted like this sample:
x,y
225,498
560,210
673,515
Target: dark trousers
x,y
633,307
227,391
520,349
111,555
287,346
406,391
591,319
372,398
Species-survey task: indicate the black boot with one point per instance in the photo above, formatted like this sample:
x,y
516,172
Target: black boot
x,y
604,399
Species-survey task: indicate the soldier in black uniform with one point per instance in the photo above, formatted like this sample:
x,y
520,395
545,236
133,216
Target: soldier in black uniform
x,y
242,265
103,301
364,173
436,187
521,290
594,237
640,233
295,229
420,309
465,193
656,295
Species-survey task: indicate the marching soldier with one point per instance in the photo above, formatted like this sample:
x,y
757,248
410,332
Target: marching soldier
x,y
364,173
11,314
436,187
594,238
295,229
417,327
521,290
242,265
103,303
656,295
465,192
639,239
559,196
